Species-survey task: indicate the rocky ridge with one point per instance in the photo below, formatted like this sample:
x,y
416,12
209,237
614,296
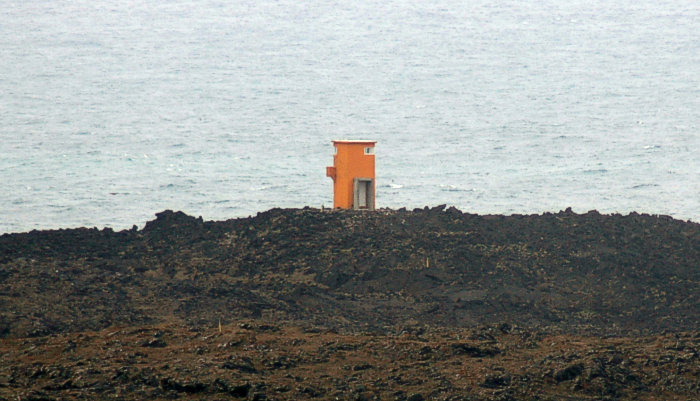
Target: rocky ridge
x,y
579,273
390,305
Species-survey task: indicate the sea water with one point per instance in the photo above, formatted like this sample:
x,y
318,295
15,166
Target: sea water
x,y
111,111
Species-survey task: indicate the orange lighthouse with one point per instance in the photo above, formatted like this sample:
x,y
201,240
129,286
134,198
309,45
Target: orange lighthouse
x,y
353,174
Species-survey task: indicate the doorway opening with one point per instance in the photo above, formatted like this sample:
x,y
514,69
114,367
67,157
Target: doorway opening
x,y
363,193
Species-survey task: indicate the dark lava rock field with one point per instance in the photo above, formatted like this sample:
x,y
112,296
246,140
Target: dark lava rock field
x,y
322,304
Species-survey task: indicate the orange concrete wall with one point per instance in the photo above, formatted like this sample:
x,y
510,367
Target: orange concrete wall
x,y
350,162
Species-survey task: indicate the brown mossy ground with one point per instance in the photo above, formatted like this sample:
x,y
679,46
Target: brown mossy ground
x,y
430,303
257,361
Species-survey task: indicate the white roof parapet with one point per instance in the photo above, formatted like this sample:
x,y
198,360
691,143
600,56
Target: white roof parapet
x,y
353,141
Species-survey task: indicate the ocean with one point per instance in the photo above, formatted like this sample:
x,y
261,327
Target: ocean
x,y
111,111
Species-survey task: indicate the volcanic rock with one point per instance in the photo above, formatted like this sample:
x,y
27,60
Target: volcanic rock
x,y
302,303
